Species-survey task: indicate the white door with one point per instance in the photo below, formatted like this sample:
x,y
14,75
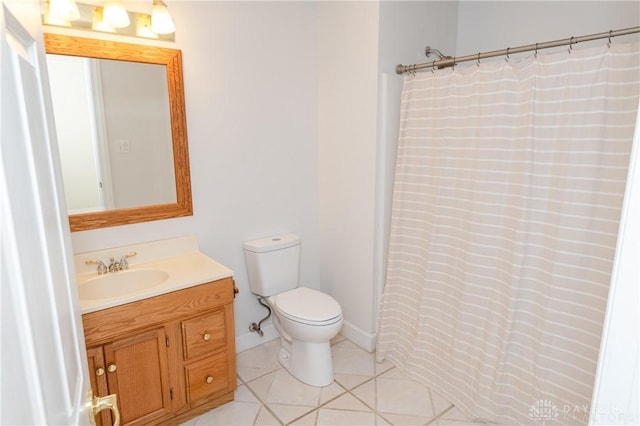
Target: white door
x,y
44,378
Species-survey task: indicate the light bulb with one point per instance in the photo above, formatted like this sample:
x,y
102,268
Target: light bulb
x,y
63,10
98,23
115,15
161,20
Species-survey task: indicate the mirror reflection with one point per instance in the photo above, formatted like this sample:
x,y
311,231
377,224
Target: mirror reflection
x,y
112,122
121,126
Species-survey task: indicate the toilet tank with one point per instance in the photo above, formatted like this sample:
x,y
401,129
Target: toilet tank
x,y
273,264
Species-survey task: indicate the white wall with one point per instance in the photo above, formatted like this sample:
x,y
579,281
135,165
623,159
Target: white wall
x,y
493,25
359,46
347,106
250,88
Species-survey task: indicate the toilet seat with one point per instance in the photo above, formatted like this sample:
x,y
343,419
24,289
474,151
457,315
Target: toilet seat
x,y
308,306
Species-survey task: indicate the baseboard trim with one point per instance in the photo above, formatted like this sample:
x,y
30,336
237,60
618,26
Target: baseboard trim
x,y
366,341
251,339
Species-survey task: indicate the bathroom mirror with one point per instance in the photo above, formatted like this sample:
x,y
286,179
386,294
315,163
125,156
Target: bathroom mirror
x,y
124,158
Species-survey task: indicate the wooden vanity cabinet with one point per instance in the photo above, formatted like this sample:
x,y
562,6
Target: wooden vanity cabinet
x,y
168,358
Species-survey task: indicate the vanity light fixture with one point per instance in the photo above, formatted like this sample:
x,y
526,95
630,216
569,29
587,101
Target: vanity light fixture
x,y
161,20
110,16
60,12
98,24
115,15
143,27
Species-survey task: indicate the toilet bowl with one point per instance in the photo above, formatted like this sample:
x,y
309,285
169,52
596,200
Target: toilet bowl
x,y
306,319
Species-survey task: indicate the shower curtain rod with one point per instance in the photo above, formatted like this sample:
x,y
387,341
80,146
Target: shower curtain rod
x,y
447,61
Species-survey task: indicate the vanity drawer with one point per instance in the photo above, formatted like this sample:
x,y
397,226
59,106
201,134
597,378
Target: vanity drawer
x,y
207,376
204,334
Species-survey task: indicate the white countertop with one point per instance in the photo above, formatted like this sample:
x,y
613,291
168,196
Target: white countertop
x,y
180,258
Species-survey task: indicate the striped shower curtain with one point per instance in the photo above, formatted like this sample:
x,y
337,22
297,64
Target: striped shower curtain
x,y
509,184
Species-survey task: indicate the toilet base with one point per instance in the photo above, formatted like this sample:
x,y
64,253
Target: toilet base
x,y
311,363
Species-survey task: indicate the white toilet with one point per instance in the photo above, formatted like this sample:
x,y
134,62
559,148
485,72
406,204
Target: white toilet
x,y
306,319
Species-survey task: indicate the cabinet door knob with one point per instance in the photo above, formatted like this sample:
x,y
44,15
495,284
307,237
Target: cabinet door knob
x,y
100,371
206,337
111,368
209,379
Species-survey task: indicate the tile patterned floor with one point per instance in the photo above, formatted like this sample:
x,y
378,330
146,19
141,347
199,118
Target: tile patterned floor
x,y
363,393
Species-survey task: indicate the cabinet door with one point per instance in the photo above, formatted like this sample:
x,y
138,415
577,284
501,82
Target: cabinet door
x,y
98,378
137,372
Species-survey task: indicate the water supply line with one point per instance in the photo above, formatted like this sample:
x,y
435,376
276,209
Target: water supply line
x,y
257,327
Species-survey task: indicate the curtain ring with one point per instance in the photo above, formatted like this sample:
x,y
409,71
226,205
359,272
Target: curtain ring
x,y
571,44
478,60
507,57
536,54
609,43
433,66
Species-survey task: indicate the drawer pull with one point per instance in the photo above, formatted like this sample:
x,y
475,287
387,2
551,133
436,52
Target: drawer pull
x,y
112,368
100,371
207,337
209,379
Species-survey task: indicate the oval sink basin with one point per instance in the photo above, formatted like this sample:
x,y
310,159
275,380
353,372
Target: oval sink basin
x,y
122,283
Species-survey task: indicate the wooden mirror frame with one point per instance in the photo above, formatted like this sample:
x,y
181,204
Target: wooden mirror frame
x,y
172,59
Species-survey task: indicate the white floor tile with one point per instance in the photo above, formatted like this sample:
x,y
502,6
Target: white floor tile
x,y
232,413
258,361
330,392
367,393
328,417
350,359
403,420
262,385
288,413
381,422
364,393
265,418
350,381
285,389
403,396
347,402
308,420
454,416
243,394
381,367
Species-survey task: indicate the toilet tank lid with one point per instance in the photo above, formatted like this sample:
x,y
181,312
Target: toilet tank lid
x,y
277,242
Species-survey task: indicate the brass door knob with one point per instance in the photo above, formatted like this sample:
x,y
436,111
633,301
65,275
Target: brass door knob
x,y
100,371
112,368
98,404
206,337
209,379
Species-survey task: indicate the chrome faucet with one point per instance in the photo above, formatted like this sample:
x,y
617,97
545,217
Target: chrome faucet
x,y
113,266
102,268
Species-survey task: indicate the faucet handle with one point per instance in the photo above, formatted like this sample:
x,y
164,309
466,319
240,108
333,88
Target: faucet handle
x,y
124,264
102,268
